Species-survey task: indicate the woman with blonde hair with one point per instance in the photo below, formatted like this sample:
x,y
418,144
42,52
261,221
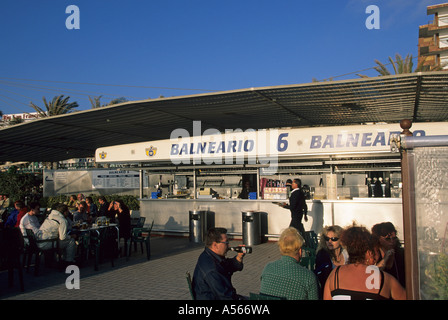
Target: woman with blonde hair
x,y
285,277
330,253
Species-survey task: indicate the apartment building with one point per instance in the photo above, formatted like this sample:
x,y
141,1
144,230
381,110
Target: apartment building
x,y
433,38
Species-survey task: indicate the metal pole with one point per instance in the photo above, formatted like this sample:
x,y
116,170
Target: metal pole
x,y
194,184
141,175
409,219
410,142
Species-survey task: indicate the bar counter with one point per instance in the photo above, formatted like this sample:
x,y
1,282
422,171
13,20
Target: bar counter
x,y
172,215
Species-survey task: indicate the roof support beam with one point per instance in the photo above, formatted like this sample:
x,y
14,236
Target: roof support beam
x,y
296,115
417,97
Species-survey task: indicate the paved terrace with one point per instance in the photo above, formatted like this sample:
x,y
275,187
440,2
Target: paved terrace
x,y
161,278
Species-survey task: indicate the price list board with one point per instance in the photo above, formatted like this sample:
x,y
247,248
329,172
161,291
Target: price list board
x,y
115,180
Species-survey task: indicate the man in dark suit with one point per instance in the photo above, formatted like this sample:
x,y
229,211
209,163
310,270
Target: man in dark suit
x,y
298,207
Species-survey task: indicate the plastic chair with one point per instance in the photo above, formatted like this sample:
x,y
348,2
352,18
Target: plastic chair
x,y
88,246
305,262
141,222
142,236
311,239
107,245
308,258
190,286
138,222
262,296
34,249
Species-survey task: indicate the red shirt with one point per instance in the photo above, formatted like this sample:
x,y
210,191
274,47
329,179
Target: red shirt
x,y
20,215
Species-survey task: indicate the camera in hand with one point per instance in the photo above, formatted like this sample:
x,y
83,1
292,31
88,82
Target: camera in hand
x,y
241,249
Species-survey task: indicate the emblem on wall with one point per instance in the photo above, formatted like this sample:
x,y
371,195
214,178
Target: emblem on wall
x,y
103,155
151,151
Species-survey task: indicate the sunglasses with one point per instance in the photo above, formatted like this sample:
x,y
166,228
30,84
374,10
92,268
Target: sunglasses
x,y
389,237
334,239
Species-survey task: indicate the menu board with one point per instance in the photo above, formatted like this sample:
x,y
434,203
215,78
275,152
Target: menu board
x,y
121,179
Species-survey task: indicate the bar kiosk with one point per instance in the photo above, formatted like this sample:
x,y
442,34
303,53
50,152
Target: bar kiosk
x,y
348,173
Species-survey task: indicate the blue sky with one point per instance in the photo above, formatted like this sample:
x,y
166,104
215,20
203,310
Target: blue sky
x,y
183,47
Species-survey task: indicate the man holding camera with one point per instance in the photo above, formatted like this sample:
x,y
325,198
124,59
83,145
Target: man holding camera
x,y
213,272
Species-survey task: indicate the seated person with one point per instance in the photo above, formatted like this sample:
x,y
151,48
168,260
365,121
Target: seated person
x,y
104,206
285,277
81,214
330,253
92,208
72,203
29,220
56,226
213,272
4,203
123,216
391,252
349,281
22,212
11,221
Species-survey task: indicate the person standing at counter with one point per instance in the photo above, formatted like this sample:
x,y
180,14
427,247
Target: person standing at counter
x,y
289,187
298,207
244,194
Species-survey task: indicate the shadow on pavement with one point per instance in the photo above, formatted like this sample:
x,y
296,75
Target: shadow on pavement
x,y
161,247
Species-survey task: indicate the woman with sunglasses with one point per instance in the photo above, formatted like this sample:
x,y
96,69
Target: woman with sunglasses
x,y
391,254
360,279
330,253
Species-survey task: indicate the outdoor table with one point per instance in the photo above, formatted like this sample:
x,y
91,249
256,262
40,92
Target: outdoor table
x,y
97,233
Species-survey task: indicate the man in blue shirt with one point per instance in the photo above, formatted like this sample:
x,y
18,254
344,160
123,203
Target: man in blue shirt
x,y
12,218
213,272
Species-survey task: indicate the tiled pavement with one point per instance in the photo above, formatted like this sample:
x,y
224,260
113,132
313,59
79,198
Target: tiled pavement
x,y
161,278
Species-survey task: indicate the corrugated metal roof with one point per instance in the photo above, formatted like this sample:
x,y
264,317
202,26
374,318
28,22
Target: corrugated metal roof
x,y
419,96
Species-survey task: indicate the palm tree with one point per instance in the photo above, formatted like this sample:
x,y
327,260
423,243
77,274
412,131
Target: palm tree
x,y
59,105
95,102
117,101
15,120
400,66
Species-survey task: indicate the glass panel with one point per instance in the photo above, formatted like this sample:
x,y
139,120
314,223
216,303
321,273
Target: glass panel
x,y
431,199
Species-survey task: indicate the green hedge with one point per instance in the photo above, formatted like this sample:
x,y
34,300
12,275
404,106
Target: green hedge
x,y
131,201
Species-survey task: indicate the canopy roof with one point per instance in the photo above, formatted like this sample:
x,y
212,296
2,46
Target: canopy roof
x,y
420,97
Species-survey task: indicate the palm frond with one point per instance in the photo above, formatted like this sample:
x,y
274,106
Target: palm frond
x,y
381,69
58,105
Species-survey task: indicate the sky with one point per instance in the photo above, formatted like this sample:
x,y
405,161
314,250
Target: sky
x,y
141,49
